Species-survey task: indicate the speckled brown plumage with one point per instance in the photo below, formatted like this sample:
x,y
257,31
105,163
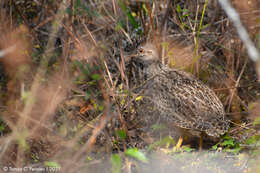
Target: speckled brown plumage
x,y
176,96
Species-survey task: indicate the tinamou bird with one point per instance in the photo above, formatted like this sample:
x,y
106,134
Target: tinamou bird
x,y
177,96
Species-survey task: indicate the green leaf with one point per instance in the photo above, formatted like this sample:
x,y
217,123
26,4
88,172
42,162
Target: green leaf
x,y
88,158
52,164
119,26
228,142
145,8
101,107
121,134
138,98
256,121
77,4
87,95
235,150
187,149
132,19
227,137
2,127
215,147
252,140
178,8
135,153
122,5
116,163
166,141
96,76
185,10
128,14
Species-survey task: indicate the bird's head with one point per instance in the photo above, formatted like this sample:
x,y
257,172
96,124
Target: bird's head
x,y
147,53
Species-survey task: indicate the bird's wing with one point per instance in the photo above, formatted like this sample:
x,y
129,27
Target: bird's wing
x,y
186,101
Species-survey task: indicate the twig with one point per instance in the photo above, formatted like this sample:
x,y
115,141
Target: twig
x,y
241,30
237,83
6,51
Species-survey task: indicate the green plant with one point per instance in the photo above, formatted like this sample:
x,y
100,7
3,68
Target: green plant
x,y
116,163
229,145
182,14
2,126
164,142
254,144
116,160
128,13
136,154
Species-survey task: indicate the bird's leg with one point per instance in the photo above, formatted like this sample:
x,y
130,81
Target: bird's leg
x,y
202,134
201,143
179,143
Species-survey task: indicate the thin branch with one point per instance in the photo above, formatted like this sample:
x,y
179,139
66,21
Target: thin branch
x,y
241,30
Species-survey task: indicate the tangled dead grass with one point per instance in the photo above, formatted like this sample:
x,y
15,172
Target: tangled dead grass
x,y
77,105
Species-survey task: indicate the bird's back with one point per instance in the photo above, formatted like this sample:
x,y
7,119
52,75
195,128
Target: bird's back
x,y
183,100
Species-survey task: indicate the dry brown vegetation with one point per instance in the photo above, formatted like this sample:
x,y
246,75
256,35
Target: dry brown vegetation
x,y
66,97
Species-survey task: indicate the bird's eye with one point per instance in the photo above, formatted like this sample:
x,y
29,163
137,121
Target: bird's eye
x,y
141,51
